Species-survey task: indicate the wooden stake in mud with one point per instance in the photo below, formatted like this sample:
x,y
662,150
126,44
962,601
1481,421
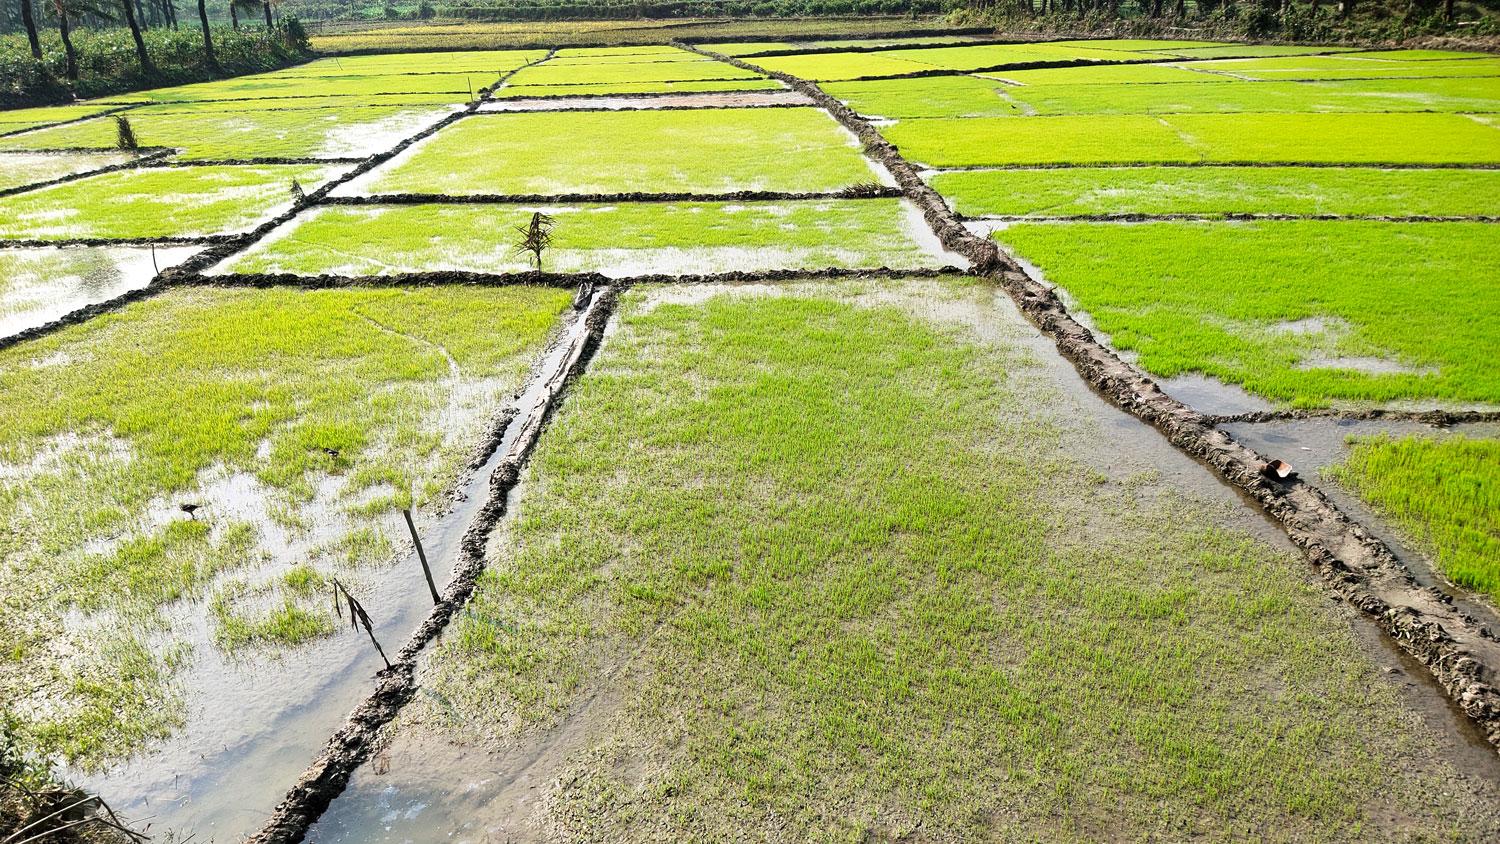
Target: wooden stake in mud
x,y
357,613
421,555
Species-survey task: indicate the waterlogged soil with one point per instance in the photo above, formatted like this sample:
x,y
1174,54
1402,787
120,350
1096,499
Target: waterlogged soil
x,y
39,285
441,776
25,168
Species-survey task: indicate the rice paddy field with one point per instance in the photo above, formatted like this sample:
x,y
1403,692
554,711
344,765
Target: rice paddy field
x,y
645,446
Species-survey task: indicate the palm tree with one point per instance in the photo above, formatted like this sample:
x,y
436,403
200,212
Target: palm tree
x,y
26,18
208,39
140,44
61,8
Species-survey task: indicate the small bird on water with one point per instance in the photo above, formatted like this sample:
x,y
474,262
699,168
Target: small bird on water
x,y
191,509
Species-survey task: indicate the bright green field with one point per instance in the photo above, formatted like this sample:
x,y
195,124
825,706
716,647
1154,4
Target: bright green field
x,y
15,119
939,96
117,420
628,72
214,133
157,202
1337,67
1387,95
625,88
1445,492
1226,300
1069,191
1270,138
836,66
741,48
20,168
807,563
494,62
1129,74
701,151
625,240
457,86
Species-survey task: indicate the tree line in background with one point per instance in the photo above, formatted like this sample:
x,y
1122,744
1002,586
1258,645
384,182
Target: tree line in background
x,y
1301,20
56,50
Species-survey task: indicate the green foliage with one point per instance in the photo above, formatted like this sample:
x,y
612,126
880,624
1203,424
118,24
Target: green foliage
x,y
1227,300
1069,191
149,202
1443,491
628,239
699,151
832,561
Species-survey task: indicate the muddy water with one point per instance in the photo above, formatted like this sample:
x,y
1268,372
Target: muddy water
x,y
43,284
254,724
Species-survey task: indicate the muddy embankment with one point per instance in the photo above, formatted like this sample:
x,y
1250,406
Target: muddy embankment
x,y
1459,650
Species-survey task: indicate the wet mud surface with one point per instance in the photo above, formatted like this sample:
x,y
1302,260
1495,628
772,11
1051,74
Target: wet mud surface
x,y
72,284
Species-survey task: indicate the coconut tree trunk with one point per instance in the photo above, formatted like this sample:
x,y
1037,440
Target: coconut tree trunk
x,y
208,39
26,18
140,14
140,43
234,17
267,5
71,54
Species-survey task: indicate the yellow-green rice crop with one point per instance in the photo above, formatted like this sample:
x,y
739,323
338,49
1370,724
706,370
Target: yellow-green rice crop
x,y
153,202
628,72
1305,313
699,151
1339,67
1444,492
1069,191
1225,95
458,87
827,569
494,62
1270,138
12,120
108,425
214,133
622,240
625,88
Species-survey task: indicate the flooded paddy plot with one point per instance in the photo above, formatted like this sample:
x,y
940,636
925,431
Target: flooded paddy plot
x,y
756,83
20,168
157,202
841,561
1216,191
1347,67
685,67
296,422
1189,138
213,132
39,285
458,87
732,99
1305,313
495,62
692,151
617,240
18,119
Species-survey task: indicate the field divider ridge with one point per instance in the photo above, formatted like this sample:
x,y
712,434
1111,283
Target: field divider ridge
x,y
1232,216
352,744
1135,165
1437,417
1458,649
40,126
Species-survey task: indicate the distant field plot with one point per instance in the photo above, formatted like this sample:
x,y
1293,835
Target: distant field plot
x,y
828,557
291,86
747,47
38,285
618,73
1228,96
1068,191
17,119
1443,492
24,168
699,151
1304,313
295,417
216,133
149,202
1149,45
495,62
1270,138
835,66
1106,74
1416,55
938,96
634,52
618,240
758,83
1339,67
1249,50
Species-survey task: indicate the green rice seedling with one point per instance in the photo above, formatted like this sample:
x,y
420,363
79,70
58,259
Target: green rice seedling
x,y
285,612
14,120
19,168
1443,492
1072,191
154,202
821,67
742,48
1126,74
1340,67
631,50
222,398
1152,45
1228,138
325,85
38,285
701,151
1251,50
833,565
626,88
941,96
1416,55
1225,95
628,72
621,240
494,62
1305,313
214,133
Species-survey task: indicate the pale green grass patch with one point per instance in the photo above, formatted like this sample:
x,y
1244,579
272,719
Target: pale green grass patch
x,y
619,240
625,88
1394,310
700,151
153,202
1444,492
619,73
495,62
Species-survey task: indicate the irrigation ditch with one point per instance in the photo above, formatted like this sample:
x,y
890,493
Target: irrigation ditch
x,y
1460,651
